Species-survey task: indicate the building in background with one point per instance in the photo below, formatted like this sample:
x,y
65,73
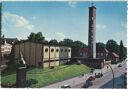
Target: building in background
x,y
6,46
5,50
37,54
113,56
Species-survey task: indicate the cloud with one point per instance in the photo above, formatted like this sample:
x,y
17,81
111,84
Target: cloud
x,y
60,36
17,21
72,4
100,26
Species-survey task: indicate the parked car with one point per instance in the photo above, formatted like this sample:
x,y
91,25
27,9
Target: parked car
x,y
119,65
66,86
113,62
91,78
92,70
98,75
87,84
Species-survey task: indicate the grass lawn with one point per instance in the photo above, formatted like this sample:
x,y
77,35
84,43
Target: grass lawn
x,y
48,76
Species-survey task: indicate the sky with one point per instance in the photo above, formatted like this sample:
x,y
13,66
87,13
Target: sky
x,y
60,20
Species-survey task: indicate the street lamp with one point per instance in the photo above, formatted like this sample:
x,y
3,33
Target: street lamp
x,y
112,73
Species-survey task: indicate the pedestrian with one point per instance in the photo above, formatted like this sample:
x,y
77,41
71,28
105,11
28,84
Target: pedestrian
x,y
95,74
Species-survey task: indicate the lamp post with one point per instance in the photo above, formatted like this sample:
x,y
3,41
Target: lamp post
x,y
112,73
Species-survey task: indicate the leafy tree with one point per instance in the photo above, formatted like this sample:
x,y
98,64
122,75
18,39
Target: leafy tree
x,y
36,37
79,44
39,37
122,52
100,45
53,42
71,43
45,42
67,42
61,43
112,46
31,37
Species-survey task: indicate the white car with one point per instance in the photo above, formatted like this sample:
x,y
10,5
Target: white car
x,y
66,86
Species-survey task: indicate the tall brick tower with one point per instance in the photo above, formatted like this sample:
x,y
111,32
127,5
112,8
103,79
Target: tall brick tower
x,y
92,32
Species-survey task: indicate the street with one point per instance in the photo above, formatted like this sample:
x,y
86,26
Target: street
x,y
103,82
106,81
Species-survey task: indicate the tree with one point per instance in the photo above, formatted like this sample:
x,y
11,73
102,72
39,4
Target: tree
x,y
53,42
39,37
31,37
61,43
73,44
36,37
100,45
67,42
121,51
112,46
79,44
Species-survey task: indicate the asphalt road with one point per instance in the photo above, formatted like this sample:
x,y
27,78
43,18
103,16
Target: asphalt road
x,y
107,80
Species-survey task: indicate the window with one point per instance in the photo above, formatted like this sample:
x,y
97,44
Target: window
x,y
46,50
69,50
57,50
52,50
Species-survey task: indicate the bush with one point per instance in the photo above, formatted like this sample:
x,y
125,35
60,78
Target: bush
x,y
31,81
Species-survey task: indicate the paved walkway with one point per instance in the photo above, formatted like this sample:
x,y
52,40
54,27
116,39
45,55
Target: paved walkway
x,y
80,79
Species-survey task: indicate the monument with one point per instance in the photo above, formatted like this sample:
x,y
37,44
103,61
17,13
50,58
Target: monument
x,y
21,73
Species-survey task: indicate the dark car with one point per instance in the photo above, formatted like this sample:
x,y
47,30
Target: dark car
x,y
87,84
91,78
113,62
98,75
92,70
119,65
66,86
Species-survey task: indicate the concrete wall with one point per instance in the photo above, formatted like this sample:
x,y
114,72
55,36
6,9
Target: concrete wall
x,y
16,51
46,64
36,54
45,53
61,52
39,54
27,52
63,62
32,54
52,52
57,51
69,52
